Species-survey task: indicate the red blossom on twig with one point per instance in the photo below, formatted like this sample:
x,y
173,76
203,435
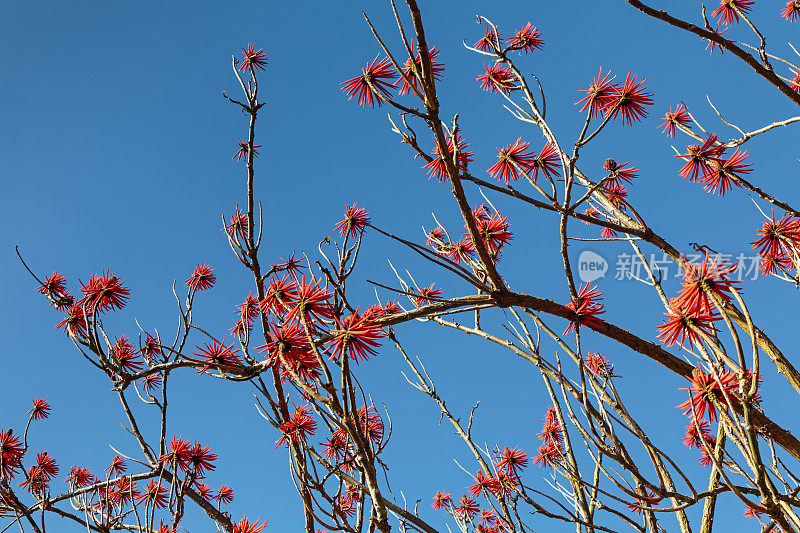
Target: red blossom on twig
x,y
376,79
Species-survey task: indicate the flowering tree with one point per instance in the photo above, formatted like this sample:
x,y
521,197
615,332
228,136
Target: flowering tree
x,y
300,338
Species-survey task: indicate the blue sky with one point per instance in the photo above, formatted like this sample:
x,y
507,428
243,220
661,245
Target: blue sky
x,y
115,153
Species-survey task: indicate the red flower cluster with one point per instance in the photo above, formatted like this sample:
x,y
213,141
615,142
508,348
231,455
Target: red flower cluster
x,y
254,60
437,168
104,292
729,10
525,40
513,159
585,307
708,165
40,474
489,41
618,172
11,453
498,78
354,221
778,244
376,79
598,364
678,118
603,97
707,394
189,457
408,70
299,427
40,410
202,278
692,313
552,436
791,11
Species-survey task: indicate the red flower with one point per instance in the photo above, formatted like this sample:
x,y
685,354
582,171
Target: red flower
x,y
374,83
598,364
552,432
700,157
238,223
511,159
488,517
216,354
354,221
151,346
778,239
436,236
771,264
729,10
440,499
40,409
46,465
549,455
483,482
427,294
178,454
491,40
792,10
280,294
154,494
526,40
408,69
290,264
74,322
707,393
253,60
202,278
585,307
244,149
629,100
117,467
497,78
224,494
437,167
55,287
685,325
461,250
467,508
151,382
201,459
299,427
370,423
11,452
548,161
311,302
357,336
104,292
700,282
696,434
724,174
244,526
80,477
795,84
204,491
493,231
599,94
618,172
679,117
124,355
292,342
512,459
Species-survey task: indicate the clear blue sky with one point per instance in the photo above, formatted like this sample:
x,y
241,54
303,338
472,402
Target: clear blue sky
x,y
115,153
